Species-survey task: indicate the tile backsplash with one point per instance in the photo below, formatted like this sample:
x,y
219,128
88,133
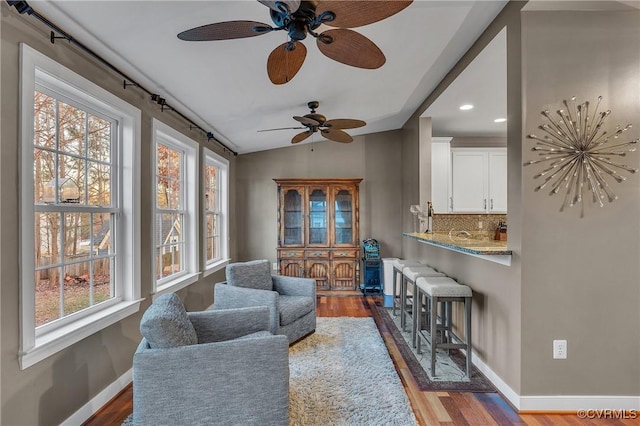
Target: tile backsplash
x,y
469,222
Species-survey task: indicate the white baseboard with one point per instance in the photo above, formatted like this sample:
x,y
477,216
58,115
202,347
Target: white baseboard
x,y
500,384
579,402
97,402
557,402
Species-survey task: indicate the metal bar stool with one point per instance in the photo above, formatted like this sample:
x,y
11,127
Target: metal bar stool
x,y
408,285
445,290
398,266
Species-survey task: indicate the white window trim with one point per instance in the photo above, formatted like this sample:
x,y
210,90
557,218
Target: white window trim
x,y
34,349
168,136
223,186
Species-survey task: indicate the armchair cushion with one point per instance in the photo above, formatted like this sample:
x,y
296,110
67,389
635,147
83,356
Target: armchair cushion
x,y
165,324
293,308
253,274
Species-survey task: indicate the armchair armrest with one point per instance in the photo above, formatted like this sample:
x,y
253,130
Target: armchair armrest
x,y
227,324
229,297
293,286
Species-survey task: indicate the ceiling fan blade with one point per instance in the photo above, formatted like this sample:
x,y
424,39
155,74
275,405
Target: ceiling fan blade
x,y
351,48
283,64
281,128
344,123
292,4
225,31
356,13
306,121
301,136
336,135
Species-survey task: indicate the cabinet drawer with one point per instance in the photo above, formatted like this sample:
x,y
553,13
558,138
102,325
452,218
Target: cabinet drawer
x,y
291,254
317,254
338,254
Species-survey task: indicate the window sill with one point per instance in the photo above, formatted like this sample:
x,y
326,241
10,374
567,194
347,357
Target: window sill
x,y
215,267
177,284
63,337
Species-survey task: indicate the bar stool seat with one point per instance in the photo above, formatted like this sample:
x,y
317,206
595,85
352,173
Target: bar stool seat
x,y
409,276
398,266
445,290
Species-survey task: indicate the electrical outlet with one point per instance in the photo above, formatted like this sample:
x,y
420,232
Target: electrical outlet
x,y
559,349
479,224
275,266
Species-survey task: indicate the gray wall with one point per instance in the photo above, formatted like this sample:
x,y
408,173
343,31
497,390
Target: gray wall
x,y
581,275
496,321
375,158
53,389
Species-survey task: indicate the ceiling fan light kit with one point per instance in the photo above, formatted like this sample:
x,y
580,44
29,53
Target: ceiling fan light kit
x,y
301,18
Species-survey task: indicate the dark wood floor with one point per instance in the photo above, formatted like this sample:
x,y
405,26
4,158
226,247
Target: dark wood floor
x,y
430,408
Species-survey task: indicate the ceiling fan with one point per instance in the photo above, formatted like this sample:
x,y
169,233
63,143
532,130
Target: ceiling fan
x,y
330,129
299,18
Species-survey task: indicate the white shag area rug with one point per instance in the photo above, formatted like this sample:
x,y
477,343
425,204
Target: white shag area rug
x,y
343,375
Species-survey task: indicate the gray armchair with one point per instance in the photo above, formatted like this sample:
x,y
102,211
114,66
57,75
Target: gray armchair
x,y
216,367
291,301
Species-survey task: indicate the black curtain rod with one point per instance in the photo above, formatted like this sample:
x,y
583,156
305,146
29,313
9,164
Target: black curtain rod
x,y
23,7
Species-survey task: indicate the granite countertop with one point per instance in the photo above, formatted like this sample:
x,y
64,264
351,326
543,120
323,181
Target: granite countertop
x,y
465,244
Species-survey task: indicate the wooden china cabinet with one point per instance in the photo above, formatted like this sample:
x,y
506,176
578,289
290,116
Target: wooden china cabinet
x,y
318,231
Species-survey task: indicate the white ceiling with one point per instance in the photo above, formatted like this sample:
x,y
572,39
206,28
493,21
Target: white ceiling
x,y
223,85
483,84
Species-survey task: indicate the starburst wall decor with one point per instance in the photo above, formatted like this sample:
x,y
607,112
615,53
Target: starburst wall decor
x,y
577,153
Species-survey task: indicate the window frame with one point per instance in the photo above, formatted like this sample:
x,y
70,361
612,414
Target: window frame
x,y
36,344
166,135
211,158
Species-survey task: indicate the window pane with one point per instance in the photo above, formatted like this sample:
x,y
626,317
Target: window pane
x,y
103,287
211,188
72,129
99,139
171,228
44,120
70,179
99,184
162,192
47,247
174,194
175,163
102,236
212,237
77,236
44,185
47,295
77,287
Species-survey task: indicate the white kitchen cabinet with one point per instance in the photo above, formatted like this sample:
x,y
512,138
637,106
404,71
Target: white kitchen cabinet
x,y
498,181
478,180
440,174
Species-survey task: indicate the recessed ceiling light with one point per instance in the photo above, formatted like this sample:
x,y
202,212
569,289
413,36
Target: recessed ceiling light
x,y
466,107
499,120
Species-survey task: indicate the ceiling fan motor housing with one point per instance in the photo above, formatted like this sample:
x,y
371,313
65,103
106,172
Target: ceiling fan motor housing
x,y
298,23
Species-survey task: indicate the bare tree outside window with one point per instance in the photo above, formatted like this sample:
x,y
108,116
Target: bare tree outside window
x,y
73,209
170,211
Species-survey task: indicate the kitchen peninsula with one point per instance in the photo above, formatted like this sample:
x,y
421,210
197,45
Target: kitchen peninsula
x,y
491,250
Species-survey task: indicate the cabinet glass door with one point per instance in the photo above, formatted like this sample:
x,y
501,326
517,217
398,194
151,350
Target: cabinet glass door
x,y
318,235
292,217
344,231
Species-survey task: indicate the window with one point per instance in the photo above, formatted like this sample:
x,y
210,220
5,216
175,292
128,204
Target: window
x,y
175,218
216,191
79,248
